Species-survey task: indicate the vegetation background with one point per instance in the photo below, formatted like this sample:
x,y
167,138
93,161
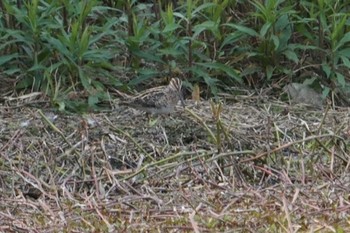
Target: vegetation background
x,y
76,52
60,47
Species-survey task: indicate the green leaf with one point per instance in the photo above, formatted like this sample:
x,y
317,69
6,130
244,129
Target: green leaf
x,y
338,31
222,67
207,25
218,10
189,9
61,48
84,42
231,38
212,84
148,56
325,92
168,15
181,16
345,52
264,29
345,39
269,72
26,82
203,6
346,61
12,71
282,23
251,69
171,27
144,74
37,67
327,69
340,79
309,81
170,51
276,41
291,55
198,71
243,29
61,106
92,100
6,58
85,81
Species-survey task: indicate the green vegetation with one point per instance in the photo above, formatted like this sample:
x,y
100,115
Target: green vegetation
x,y
63,46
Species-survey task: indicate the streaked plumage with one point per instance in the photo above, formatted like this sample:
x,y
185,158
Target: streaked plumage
x,y
158,100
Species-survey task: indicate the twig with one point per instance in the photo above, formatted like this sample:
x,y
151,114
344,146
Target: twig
x,y
288,145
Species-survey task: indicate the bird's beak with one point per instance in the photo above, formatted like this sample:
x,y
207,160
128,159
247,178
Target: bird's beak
x,y
182,100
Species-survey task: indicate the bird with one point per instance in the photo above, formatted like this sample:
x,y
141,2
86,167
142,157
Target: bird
x,y
157,100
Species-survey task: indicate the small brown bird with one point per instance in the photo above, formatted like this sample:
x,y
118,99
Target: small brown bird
x,y
158,100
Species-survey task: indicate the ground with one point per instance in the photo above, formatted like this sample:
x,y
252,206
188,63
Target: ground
x,y
249,164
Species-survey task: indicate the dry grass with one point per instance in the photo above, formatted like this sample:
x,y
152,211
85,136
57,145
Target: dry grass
x,y
249,165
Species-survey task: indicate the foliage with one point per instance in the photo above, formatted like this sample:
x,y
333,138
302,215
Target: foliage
x,y
53,47
62,46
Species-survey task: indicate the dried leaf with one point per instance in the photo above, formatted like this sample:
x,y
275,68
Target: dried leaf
x,y
196,93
